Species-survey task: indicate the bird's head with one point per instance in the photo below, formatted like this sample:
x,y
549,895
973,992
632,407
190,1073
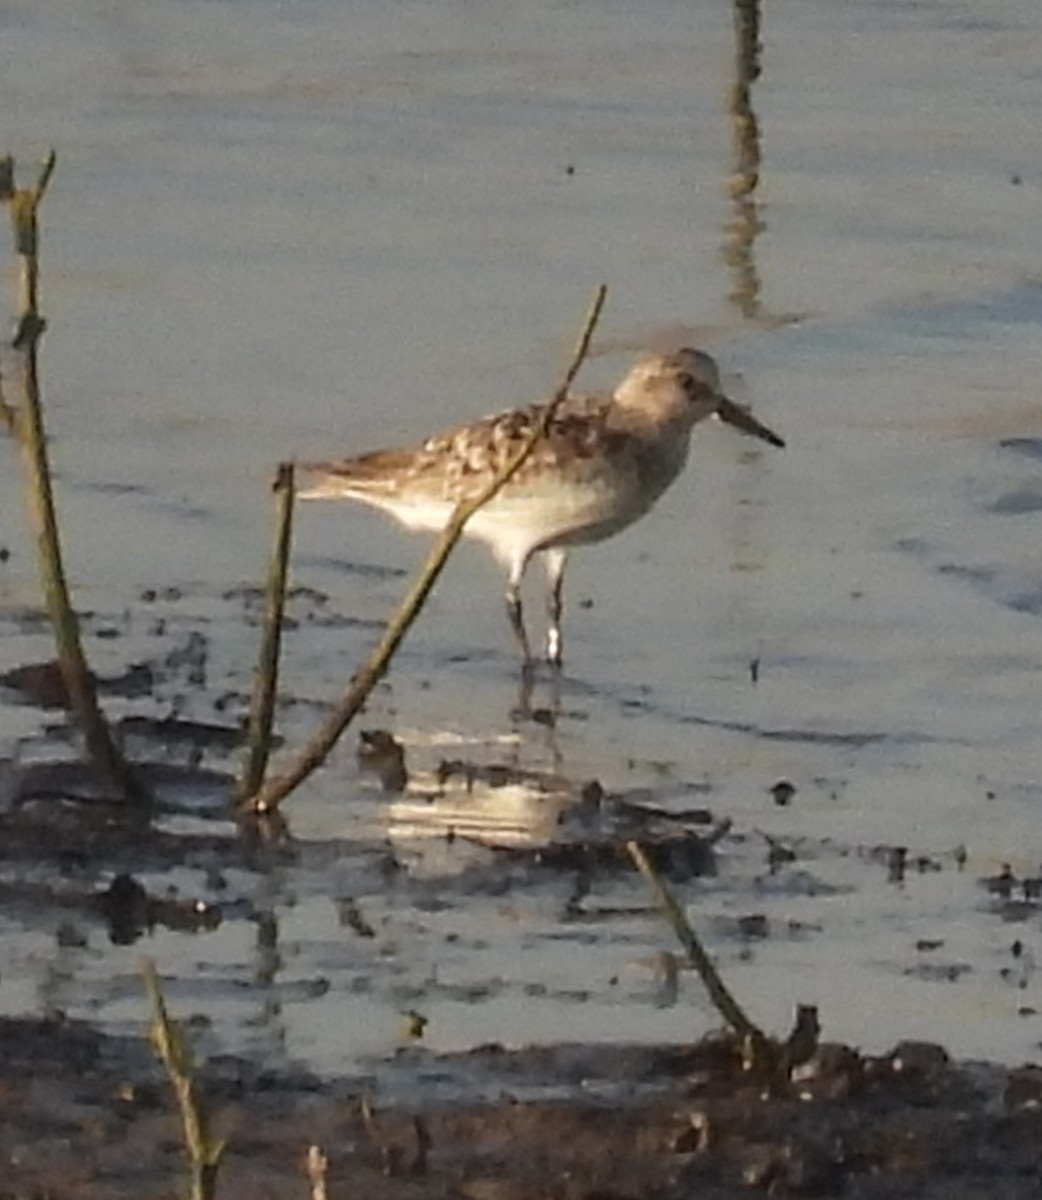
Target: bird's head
x,y
687,381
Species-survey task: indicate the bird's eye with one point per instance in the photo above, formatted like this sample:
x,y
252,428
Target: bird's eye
x,y
686,381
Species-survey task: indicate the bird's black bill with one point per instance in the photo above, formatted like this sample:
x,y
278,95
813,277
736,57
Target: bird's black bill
x,y
741,418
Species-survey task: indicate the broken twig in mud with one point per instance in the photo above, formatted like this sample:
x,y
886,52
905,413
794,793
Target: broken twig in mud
x,y
317,749
760,1046
26,424
204,1151
262,711
316,1165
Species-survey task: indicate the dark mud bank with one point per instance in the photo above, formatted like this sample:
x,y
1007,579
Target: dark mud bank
x,y
87,1116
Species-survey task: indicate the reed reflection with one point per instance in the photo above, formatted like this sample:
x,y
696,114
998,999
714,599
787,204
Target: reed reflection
x,y
745,224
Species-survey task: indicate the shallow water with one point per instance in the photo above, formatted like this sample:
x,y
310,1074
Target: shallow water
x,y
322,229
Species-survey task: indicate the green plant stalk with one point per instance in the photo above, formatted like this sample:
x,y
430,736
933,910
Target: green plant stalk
x,y
322,742
168,1040
28,425
262,712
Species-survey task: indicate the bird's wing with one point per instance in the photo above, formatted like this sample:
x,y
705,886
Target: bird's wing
x,y
459,462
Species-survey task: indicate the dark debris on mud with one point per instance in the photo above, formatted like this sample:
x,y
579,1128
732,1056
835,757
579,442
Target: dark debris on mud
x,y
88,1117
91,1117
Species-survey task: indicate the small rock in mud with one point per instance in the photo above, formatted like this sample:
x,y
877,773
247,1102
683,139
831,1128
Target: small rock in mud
x,y
40,684
782,792
131,911
380,753
1002,883
43,685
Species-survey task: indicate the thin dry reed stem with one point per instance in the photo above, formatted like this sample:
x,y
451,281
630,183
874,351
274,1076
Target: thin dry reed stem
x,y
262,712
317,749
727,1006
170,1044
27,424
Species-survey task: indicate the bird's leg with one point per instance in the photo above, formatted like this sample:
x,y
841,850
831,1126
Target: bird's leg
x,y
556,560
514,615
522,711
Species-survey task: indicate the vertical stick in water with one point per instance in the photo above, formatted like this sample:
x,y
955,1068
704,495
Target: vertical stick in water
x,y
262,712
27,422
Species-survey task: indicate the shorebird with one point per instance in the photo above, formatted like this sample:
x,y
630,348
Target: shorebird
x,y
602,464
